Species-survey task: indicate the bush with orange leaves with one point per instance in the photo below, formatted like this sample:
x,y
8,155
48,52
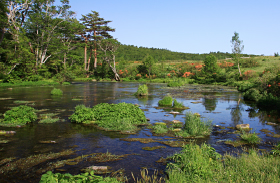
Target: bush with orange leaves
x,y
249,74
187,74
225,64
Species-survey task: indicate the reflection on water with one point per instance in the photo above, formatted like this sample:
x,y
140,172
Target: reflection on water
x,y
225,108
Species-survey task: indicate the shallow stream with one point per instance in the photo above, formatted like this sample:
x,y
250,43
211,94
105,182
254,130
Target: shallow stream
x,y
223,105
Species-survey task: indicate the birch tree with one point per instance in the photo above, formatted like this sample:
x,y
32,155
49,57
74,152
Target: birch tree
x,y
45,24
109,47
237,49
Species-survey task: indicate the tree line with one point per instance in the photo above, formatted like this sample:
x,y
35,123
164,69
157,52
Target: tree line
x,y
134,53
39,39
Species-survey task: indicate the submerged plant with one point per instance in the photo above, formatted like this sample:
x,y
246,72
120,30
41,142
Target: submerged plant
x,y
56,92
142,90
166,101
50,177
20,115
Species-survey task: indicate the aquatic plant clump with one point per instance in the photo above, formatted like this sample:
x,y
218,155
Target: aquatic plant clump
x,y
194,126
56,91
142,90
166,101
20,115
250,138
82,114
160,129
178,105
115,117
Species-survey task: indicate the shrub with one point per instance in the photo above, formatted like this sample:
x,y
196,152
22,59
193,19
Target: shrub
x,y
82,114
20,115
252,94
211,65
64,76
166,101
56,92
142,90
194,126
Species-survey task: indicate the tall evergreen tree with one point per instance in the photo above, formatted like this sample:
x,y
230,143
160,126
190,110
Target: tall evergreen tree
x,y
96,29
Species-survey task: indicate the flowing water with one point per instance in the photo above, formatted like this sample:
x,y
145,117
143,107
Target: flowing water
x,y
224,106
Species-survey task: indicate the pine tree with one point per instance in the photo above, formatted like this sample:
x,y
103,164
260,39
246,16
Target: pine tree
x,y
96,29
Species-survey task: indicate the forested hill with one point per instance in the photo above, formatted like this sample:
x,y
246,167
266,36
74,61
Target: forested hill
x,y
134,53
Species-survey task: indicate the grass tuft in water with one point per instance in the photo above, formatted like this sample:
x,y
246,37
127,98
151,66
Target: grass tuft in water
x,y
56,91
142,90
250,138
178,105
166,101
194,126
160,128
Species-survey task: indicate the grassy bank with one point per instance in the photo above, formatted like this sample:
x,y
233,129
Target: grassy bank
x,y
202,164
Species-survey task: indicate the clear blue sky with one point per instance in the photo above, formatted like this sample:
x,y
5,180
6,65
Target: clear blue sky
x,y
191,26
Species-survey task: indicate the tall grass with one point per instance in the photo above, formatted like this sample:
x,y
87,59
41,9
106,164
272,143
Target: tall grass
x,y
251,138
166,101
194,126
142,90
202,164
177,105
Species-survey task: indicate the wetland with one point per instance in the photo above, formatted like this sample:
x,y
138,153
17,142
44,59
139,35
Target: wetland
x,y
62,146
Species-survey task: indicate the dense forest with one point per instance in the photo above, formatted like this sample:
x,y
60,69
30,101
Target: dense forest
x,y
134,53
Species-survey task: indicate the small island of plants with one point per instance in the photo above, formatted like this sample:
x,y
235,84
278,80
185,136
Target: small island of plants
x,y
123,117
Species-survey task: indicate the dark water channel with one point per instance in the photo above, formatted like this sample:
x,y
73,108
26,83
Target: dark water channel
x,y
222,105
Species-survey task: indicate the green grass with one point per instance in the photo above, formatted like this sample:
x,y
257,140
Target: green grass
x,y
250,138
142,90
202,164
30,83
178,105
160,128
166,101
194,126
49,120
56,92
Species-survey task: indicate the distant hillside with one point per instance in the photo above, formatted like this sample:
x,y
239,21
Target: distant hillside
x,y
134,53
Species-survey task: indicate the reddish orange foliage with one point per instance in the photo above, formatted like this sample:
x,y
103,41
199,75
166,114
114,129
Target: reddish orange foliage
x,y
187,74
